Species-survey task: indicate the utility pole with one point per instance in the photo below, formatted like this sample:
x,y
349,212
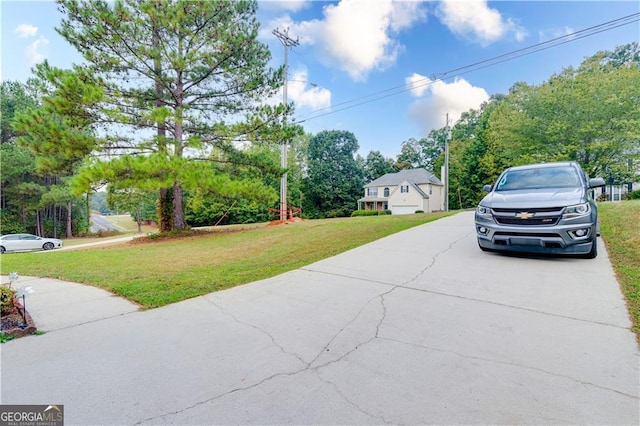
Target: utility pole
x,y
447,136
287,42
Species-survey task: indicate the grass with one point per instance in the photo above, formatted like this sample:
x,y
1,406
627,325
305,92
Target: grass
x,y
620,229
157,271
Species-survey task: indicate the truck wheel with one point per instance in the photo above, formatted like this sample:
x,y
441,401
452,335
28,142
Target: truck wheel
x,y
594,250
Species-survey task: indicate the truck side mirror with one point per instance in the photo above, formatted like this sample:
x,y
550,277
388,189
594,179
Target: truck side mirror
x,y
486,188
596,182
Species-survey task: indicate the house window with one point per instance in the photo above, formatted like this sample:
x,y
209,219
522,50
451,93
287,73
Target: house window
x,y
372,192
404,188
386,192
430,190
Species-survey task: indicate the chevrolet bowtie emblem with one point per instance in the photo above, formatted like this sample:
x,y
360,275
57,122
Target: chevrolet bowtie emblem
x,y
524,215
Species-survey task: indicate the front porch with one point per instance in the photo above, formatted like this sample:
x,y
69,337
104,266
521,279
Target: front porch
x,y
373,203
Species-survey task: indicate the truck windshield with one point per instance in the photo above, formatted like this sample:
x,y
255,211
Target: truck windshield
x,y
536,178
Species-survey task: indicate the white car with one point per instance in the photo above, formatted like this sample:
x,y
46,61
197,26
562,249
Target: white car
x,y
24,242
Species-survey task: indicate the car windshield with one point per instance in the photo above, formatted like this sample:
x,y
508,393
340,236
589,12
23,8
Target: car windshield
x,y
545,177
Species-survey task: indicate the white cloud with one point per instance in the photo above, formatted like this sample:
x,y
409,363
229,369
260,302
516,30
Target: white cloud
x,y
306,94
303,93
26,30
475,20
443,98
550,34
418,84
357,36
33,54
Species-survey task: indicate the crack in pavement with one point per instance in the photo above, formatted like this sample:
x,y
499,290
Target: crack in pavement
x,y
222,395
512,364
335,336
434,258
521,308
307,365
348,401
382,296
255,327
376,335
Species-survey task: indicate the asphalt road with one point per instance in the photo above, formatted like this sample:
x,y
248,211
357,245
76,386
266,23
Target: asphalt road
x,y
101,223
417,328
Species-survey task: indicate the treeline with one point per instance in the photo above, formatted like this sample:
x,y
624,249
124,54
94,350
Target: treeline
x,y
178,131
589,114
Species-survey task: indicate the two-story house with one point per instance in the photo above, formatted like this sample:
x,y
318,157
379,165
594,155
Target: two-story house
x,y
404,192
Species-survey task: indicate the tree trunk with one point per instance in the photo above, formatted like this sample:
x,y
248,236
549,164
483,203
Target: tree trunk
x,y
165,209
178,211
69,231
55,223
88,206
165,212
138,220
39,227
178,199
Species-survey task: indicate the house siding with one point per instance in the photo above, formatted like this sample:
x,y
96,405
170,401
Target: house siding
x,y
425,193
406,202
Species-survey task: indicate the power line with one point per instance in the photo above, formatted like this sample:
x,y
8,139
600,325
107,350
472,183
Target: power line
x,y
425,82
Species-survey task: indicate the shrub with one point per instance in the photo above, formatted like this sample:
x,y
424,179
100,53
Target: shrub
x,y
385,212
633,195
344,211
6,300
364,213
419,211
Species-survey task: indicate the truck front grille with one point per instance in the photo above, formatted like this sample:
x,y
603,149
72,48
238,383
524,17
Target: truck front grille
x,y
547,216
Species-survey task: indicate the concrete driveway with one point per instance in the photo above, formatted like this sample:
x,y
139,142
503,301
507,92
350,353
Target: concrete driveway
x,y
417,328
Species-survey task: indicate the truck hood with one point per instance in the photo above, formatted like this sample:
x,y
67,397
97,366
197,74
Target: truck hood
x,y
534,198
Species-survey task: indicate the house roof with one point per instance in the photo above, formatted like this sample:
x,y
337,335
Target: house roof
x,y
413,176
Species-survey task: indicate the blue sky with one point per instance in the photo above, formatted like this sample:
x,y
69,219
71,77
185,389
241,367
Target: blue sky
x,y
363,55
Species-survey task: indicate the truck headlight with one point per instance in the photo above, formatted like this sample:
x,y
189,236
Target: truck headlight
x,y
577,210
483,211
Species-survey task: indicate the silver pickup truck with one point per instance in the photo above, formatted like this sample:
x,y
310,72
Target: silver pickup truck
x,y
540,208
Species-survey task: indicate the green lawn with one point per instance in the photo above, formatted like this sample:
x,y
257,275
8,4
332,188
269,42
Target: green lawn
x,y
620,229
156,271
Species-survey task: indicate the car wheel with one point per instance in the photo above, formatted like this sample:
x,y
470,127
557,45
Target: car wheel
x,y
1,250
47,246
594,250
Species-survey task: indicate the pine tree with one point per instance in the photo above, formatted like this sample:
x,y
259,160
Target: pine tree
x,y
184,81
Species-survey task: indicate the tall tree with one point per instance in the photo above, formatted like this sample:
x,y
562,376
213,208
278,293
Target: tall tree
x,y
189,71
422,153
410,155
334,181
432,148
58,132
471,158
31,197
587,114
376,165
20,187
14,97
